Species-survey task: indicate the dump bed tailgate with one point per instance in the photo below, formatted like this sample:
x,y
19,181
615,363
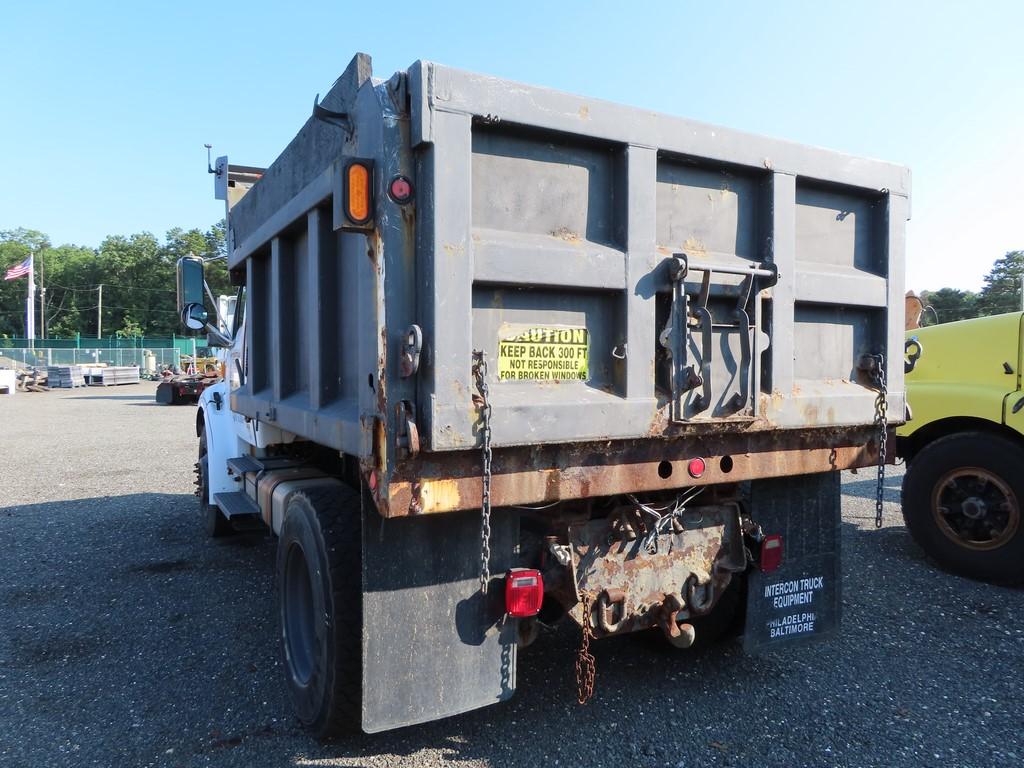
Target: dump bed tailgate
x,y
628,275
621,275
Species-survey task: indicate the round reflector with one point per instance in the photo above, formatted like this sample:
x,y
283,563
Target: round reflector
x,y
696,467
400,189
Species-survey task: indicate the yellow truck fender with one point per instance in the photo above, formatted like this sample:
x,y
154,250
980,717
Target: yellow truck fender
x,y
965,373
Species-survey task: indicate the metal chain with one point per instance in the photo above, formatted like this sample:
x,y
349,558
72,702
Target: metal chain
x,y
881,423
480,372
586,668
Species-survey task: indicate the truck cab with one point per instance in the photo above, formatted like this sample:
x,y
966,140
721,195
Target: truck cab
x,y
964,446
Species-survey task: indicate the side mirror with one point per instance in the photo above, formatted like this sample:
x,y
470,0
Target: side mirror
x,y
194,317
191,293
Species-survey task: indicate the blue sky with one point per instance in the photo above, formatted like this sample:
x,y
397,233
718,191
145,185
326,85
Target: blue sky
x,y
106,106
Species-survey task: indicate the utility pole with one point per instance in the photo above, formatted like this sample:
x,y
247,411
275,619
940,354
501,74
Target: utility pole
x,y
42,297
30,303
99,314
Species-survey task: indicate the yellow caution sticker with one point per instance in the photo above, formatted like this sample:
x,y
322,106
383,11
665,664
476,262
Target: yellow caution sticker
x,y
543,354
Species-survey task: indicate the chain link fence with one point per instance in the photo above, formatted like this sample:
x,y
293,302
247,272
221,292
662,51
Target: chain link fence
x,y
40,358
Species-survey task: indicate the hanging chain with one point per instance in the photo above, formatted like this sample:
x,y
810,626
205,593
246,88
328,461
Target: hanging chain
x,y
586,668
480,372
881,423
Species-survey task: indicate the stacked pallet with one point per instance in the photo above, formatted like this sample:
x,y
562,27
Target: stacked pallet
x,y
111,376
32,381
64,376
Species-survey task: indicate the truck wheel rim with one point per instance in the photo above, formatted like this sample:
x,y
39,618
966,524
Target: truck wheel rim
x,y
975,508
298,615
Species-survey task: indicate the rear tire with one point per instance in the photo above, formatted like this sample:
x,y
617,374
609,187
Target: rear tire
x,y
214,522
319,578
962,497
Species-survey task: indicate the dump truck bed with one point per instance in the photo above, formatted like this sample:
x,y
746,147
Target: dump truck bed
x,y
629,278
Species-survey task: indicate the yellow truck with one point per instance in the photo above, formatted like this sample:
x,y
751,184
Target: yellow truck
x,y
964,445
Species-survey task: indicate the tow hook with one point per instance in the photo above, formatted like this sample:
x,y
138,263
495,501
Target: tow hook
x,y
679,635
700,594
606,603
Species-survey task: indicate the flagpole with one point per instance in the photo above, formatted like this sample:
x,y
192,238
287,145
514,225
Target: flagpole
x,y
30,303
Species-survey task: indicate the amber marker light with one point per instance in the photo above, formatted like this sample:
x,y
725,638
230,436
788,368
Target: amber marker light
x,y
358,192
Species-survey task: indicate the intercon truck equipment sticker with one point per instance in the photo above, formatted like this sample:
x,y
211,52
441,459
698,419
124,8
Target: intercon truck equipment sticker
x,y
802,598
543,354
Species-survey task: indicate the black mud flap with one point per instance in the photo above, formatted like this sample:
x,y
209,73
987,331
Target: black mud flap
x,y
433,644
802,599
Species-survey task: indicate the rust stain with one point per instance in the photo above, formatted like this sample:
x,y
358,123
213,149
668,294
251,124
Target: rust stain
x,y
695,247
380,445
637,586
584,112
382,371
566,234
435,495
811,415
538,475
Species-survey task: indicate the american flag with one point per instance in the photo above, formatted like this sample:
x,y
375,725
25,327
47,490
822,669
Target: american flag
x,y
20,270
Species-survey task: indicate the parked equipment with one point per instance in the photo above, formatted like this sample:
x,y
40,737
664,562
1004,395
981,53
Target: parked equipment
x,y
182,390
504,356
964,447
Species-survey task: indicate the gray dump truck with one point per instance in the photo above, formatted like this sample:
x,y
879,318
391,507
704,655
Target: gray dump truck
x,y
506,357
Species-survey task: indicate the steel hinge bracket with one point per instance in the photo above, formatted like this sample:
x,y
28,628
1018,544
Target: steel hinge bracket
x,y
412,346
408,435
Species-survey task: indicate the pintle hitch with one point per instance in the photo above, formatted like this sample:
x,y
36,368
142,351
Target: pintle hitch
x,y
679,635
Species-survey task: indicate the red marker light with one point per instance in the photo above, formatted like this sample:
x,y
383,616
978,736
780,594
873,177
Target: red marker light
x,y
400,189
372,481
524,592
771,553
696,467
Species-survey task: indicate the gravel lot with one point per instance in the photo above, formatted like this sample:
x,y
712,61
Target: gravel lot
x,y
127,638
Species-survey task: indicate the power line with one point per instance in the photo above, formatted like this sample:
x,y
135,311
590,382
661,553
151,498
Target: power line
x,y
95,307
114,285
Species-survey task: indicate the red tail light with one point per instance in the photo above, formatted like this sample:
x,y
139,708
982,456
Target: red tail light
x,y
524,592
771,553
696,467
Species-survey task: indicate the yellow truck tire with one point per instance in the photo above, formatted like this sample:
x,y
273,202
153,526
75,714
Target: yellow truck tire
x,y
962,499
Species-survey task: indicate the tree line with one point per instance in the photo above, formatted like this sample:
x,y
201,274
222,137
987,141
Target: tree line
x,y
137,273
1000,293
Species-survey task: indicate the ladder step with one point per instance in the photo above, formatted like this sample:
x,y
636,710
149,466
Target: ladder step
x,y
236,504
242,464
